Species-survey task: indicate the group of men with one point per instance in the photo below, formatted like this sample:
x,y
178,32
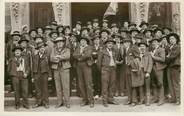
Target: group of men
x,y
141,62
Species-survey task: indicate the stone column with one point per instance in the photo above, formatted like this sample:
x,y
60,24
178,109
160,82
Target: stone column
x,y
139,12
62,13
176,17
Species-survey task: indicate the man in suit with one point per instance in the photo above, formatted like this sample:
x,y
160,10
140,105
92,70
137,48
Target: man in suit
x,y
83,55
173,70
41,72
158,56
146,67
60,63
19,69
107,65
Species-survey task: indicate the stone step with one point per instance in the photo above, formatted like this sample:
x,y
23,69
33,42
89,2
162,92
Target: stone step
x,y
10,101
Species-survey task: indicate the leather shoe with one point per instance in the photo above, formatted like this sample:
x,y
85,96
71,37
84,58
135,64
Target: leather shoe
x,y
36,105
46,106
58,105
84,103
114,102
160,103
26,106
91,105
133,104
105,105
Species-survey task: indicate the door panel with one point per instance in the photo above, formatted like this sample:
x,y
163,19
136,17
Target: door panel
x,y
41,14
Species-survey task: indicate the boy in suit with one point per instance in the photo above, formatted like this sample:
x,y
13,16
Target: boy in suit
x,y
19,69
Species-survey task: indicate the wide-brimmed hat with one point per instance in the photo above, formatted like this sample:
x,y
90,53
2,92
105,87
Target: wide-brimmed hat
x,y
95,37
146,30
95,20
168,28
52,32
84,38
123,29
158,29
109,40
54,23
132,24
105,21
143,23
143,42
139,36
38,36
60,26
16,33
134,29
40,44
116,35
79,22
113,25
175,35
154,39
62,38
47,27
127,40
17,47
85,28
105,30
23,39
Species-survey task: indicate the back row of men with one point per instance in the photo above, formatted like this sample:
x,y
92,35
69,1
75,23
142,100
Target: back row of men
x,y
143,64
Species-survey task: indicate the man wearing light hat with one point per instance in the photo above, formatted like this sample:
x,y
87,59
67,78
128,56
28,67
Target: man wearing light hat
x,y
60,63
107,65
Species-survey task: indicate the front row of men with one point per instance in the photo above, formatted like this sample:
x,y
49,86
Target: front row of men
x,y
144,69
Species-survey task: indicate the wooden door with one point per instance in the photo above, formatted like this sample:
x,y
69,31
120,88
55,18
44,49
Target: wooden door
x,y
41,13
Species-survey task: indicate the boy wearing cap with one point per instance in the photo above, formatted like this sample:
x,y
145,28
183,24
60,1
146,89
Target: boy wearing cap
x,y
41,72
173,61
146,67
19,69
107,65
158,55
95,71
77,27
83,55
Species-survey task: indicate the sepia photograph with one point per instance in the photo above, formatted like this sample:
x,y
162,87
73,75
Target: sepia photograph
x,y
92,57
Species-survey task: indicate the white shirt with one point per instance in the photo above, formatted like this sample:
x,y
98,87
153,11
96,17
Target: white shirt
x,y
112,63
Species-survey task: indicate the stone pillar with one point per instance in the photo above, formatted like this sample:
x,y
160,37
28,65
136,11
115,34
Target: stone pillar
x,y
19,15
62,13
139,12
176,17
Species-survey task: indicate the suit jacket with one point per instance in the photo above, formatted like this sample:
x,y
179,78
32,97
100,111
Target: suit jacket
x,y
147,62
159,59
86,57
104,58
12,66
174,56
42,63
64,58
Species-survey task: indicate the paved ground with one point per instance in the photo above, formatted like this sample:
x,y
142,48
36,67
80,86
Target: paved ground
x,y
75,107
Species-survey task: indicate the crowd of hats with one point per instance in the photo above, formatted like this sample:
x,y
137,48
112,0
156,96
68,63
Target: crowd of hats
x,y
96,32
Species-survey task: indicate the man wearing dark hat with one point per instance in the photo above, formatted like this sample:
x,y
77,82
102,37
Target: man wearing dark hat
x,y
114,28
133,33
104,35
78,27
19,69
174,64
148,35
60,63
158,55
67,33
41,72
119,49
107,65
95,71
105,24
144,25
90,27
124,32
158,32
166,30
47,32
95,23
146,67
132,25
83,55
